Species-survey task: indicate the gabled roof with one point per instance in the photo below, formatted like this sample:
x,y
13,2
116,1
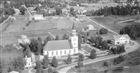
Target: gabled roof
x,y
119,36
57,45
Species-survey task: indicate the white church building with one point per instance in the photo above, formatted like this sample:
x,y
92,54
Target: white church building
x,y
61,48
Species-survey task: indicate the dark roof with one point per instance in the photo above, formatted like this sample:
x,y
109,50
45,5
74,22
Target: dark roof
x,y
57,45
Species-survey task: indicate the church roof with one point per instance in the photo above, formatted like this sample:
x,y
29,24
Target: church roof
x,y
57,45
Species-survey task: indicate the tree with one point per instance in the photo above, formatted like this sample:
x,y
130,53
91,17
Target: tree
x,y
22,10
18,64
103,31
27,51
93,54
81,57
105,64
92,40
72,12
57,37
46,40
45,62
40,39
38,65
33,45
39,48
65,37
104,46
118,60
54,62
39,70
79,41
69,60
58,11
71,9
80,65
50,70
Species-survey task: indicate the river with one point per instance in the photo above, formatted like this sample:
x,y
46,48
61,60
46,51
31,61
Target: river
x,y
133,69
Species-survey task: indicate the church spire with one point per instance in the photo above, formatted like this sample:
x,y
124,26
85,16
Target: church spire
x,y
73,26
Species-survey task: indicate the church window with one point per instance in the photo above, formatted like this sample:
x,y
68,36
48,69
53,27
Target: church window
x,y
69,51
52,52
65,52
56,52
60,52
74,39
74,50
48,53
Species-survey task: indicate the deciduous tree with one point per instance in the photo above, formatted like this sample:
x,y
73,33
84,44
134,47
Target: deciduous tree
x,y
45,62
93,54
65,37
69,59
81,57
103,31
54,62
57,37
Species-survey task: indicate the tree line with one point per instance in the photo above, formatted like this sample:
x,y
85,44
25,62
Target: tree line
x,y
118,10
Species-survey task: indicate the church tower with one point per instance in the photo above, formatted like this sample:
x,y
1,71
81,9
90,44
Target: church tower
x,y
74,37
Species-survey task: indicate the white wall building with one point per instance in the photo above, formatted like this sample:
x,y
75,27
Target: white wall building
x,y
121,39
38,17
28,62
61,48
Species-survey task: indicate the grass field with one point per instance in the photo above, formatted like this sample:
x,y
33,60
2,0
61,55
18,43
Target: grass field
x,y
113,22
39,28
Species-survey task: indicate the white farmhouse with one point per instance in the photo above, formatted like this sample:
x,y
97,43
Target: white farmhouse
x,y
61,48
28,62
121,39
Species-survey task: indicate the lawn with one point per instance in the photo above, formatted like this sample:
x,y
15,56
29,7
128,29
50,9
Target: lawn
x,y
86,48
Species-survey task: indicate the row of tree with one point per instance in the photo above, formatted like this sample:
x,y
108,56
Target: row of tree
x,y
117,50
118,10
97,41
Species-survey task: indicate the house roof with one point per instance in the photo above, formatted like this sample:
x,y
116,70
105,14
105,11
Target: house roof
x,y
119,36
57,45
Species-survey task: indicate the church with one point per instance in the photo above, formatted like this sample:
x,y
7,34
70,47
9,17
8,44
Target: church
x,y
60,48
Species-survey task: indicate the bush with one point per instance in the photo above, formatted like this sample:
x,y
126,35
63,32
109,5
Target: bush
x,y
45,62
93,54
81,57
118,60
69,60
54,62
105,64
103,31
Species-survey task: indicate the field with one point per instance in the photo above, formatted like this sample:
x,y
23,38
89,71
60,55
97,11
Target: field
x,y
114,22
13,29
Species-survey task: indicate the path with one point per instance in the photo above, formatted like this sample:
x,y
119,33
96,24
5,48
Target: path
x,y
136,46
5,20
102,26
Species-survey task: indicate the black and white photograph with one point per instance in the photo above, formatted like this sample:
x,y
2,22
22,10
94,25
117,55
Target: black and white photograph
x,y
69,36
